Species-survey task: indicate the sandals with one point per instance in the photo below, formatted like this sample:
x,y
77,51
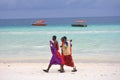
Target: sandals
x,y
61,71
74,70
45,70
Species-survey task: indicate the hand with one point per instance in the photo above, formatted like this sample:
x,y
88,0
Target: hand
x,y
71,40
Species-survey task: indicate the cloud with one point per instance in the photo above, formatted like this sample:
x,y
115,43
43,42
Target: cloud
x,y
69,2
57,4
31,4
60,7
5,4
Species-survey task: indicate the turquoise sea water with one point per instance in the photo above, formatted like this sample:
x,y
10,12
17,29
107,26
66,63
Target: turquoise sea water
x,y
99,41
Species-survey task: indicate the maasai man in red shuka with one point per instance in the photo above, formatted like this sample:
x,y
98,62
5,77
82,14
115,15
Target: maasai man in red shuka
x,y
56,57
66,48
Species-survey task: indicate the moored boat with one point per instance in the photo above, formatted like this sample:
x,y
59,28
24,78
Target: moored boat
x,y
39,23
79,23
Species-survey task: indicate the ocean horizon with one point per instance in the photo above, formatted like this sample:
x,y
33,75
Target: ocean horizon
x,y
99,41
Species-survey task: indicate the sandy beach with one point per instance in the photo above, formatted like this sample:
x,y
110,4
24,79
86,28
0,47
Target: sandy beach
x,y
34,71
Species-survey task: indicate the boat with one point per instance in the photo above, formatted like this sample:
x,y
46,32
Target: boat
x,y
79,23
39,23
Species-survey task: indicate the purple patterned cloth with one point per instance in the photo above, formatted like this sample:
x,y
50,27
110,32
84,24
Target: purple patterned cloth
x,y
56,59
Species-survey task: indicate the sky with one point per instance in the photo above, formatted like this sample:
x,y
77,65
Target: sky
x,y
58,8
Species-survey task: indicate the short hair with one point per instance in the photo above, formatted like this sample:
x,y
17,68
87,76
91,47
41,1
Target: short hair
x,y
65,37
54,37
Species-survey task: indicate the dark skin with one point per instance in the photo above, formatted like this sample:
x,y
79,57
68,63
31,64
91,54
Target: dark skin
x,y
49,66
64,39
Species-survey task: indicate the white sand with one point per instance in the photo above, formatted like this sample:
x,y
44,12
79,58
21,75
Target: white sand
x,y
34,71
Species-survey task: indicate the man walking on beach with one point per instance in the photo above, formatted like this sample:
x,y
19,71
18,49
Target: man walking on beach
x,y
56,57
66,48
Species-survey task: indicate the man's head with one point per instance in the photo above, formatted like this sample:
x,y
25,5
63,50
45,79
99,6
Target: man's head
x,y
54,38
65,38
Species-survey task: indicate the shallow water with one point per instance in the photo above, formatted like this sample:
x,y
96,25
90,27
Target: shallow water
x,y
100,40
